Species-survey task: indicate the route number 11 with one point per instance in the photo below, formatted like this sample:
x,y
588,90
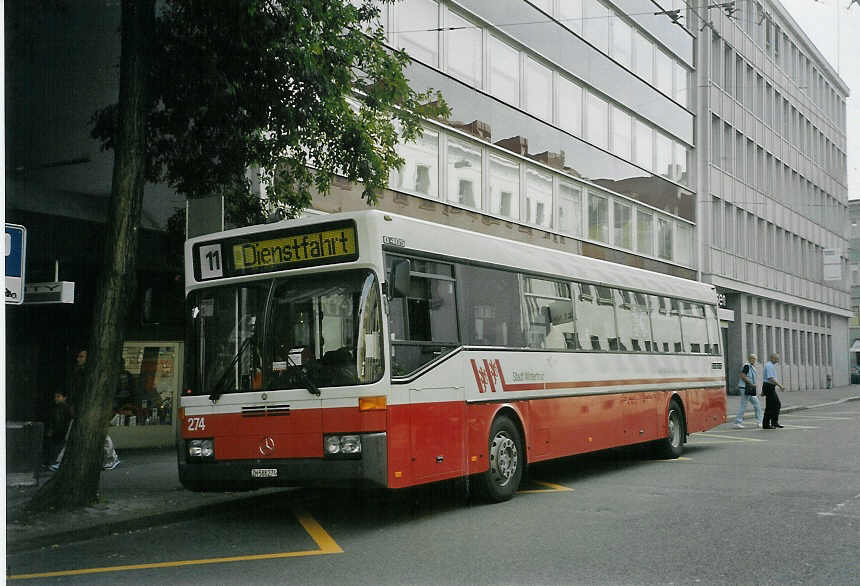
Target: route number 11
x,y
210,261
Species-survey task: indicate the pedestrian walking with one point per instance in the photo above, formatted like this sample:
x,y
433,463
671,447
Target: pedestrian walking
x,y
748,392
768,390
110,459
58,425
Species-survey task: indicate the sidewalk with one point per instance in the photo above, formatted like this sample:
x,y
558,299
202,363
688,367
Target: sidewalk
x,y
145,490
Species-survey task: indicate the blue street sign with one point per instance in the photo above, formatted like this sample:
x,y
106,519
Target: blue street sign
x,y
16,252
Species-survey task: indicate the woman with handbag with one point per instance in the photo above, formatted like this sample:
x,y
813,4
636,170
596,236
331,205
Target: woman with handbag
x,y
747,390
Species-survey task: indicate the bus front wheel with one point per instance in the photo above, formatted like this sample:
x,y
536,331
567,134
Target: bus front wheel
x,y
506,461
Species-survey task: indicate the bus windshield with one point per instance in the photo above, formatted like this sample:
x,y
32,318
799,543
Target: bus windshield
x,y
306,332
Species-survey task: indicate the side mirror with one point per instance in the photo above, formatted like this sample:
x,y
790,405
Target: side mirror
x,y
398,283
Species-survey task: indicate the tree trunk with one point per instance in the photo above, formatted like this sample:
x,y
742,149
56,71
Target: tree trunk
x,y
77,482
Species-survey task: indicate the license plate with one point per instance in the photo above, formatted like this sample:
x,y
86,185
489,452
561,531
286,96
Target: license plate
x,y
264,472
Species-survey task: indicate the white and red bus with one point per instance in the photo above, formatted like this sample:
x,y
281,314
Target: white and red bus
x,y
371,347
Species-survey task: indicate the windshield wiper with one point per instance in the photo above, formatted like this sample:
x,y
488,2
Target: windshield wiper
x,y
306,380
217,389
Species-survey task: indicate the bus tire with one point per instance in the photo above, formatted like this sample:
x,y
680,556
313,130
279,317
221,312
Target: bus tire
x,y
506,458
672,446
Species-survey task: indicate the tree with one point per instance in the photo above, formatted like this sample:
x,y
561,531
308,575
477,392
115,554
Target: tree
x,y
300,91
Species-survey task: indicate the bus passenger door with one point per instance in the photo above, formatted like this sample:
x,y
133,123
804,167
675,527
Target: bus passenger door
x,y
437,428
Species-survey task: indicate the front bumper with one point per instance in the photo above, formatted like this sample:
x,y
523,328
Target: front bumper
x,y
229,475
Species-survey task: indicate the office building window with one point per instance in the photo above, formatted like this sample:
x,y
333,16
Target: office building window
x,y
621,129
569,208
595,27
643,148
538,198
465,49
664,239
623,226
420,172
664,155
538,89
685,248
622,42
504,64
416,21
504,187
663,72
597,121
464,173
644,232
681,82
569,106
598,218
570,14
643,57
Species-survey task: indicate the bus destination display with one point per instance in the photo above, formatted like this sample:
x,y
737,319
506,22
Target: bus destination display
x,y
278,251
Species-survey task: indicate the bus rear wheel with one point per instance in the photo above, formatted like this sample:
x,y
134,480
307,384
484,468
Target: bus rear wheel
x,y
672,446
506,461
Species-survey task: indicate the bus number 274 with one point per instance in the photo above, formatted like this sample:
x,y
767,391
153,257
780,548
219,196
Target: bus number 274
x,y
196,423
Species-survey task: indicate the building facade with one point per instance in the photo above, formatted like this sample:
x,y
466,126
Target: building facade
x,y
772,190
854,280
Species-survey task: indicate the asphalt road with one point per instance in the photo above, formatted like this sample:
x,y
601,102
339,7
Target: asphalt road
x,y
746,506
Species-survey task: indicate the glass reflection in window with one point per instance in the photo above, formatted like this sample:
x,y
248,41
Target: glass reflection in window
x,y
663,77
414,18
504,187
596,24
597,121
570,14
538,197
420,172
621,142
644,232
622,42
643,57
569,208
504,71
643,149
664,155
598,218
664,239
464,173
569,106
623,226
538,90
681,164
685,244
464,50
681,76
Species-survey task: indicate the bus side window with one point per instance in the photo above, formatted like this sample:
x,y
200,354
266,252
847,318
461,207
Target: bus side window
x,y
694,327
548,314
424,323
634,326
491,307
714,333
665,324
595,313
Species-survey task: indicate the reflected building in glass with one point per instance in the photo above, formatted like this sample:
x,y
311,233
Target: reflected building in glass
x,y
772,187
572,126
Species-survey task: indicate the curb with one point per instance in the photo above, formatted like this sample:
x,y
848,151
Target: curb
x,y
134,523
790,408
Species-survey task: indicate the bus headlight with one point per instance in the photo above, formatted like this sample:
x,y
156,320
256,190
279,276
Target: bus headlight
x,y
342,445
199,449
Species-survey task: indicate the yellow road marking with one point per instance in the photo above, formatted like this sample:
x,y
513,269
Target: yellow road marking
x,y
678,459
550,487
326,544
